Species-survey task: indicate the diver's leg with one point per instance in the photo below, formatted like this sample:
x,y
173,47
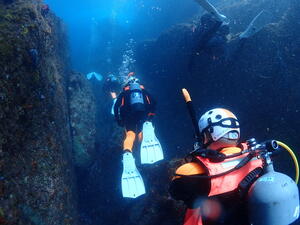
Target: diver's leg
x,y
130,124
129,140
212,10
236,45
139,127
132,181
114,98
258,22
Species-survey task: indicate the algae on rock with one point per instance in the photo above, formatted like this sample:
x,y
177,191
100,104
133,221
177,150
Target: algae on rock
x,y
83,119
36,172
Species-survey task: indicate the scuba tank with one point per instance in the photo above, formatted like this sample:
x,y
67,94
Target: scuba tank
x,y
273,199
136,97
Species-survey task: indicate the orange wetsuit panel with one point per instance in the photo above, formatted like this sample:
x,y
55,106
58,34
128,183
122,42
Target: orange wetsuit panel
x,y
191,168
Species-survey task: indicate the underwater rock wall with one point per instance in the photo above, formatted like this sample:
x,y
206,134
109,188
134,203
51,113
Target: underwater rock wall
x,y
265,68
83,119
36,175
99,184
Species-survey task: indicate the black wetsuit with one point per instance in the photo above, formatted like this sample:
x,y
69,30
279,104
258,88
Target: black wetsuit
x,y
126,115
209,42
234,208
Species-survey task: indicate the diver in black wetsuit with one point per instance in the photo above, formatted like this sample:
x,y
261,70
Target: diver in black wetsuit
x,y
132,110
213,32
112,85
212,37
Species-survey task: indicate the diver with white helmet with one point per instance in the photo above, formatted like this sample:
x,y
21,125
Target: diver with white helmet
x,y
225,181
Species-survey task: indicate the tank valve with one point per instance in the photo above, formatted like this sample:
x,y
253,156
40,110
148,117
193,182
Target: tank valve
x,y
251,143
271,145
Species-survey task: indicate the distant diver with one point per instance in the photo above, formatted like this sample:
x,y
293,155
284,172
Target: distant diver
x,y
112,85
214,29
134,110
98,76
225,181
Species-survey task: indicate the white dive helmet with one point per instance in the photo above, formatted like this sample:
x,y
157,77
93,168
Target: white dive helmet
x,y
219,123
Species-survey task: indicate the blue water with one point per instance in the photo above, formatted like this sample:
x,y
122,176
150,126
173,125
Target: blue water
x,y
139,19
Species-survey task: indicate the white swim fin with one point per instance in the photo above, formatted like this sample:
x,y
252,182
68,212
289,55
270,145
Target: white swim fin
x,y
132,181
89,76
98,76
256,24
151,150
212,10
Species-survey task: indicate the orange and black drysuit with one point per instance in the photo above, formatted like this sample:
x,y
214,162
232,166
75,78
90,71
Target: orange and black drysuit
x,y
212,194
132,116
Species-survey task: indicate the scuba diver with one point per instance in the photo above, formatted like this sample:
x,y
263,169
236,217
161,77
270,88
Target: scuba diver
x,y
134,110
214,29
225,181
112,85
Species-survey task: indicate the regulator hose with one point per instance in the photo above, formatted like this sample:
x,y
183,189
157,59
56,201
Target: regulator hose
x,y
292,154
